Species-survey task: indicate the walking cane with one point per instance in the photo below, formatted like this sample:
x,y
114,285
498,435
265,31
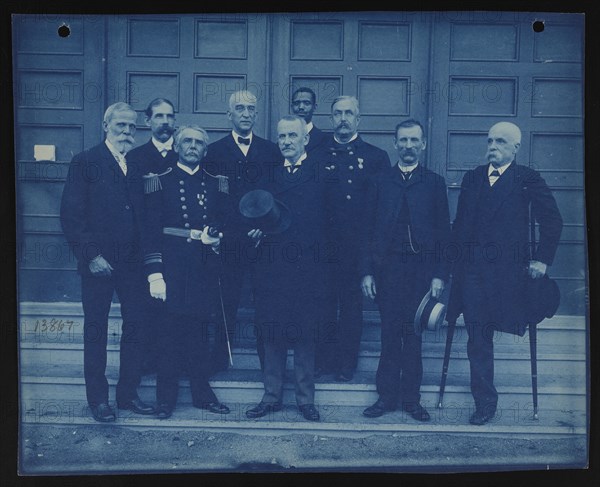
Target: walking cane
x,y
449,337
225,323
533,331
533,354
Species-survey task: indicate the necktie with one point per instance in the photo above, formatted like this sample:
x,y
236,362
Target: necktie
x,y
406,174
293,169
243,141
120,158
493,177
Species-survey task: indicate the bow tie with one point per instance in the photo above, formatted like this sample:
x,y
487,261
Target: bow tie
x,y
243,141
494,174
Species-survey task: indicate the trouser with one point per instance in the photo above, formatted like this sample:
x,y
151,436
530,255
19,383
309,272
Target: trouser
x,y
184,345
341,330
276,342
480,344
401,286
96,296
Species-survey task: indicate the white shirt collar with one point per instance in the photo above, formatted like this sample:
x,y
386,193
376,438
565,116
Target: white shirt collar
x,y
168,145
113,149
184,168
298,162
353,138
500,169
407,169
309,127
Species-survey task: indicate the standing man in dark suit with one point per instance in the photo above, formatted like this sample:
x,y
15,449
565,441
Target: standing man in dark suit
x,y
492,229
182,264
156,156
100,215
304,104
350,163
289,270
407,230
242,156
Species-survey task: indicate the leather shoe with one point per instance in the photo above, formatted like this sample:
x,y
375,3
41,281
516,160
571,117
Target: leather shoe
x,y
164,411
344,376
377,409
309,411
213,407
136,406
417,411
262,409
479,418
103,412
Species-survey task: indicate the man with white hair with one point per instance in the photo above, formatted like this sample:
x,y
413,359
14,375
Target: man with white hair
x,y
492,230
100,215
243,157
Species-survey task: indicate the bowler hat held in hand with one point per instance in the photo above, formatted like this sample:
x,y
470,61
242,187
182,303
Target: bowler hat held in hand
x,y
265,212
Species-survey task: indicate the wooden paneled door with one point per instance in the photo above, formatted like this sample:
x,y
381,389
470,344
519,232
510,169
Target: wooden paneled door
x,y
490,67
59,99
196,61
381,58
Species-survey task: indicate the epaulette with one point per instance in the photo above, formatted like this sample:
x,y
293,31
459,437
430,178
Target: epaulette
x,y
152,181
223,181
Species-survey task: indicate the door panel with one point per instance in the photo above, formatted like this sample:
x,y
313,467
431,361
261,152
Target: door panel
x,y
378,57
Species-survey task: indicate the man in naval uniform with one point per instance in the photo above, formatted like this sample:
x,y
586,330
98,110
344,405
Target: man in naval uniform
x,y
155,156
182,263
350,163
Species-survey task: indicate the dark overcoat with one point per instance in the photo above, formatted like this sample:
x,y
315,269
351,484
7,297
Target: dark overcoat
x,y
503,258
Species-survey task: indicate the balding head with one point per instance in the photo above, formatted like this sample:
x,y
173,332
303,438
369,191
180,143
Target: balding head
x,y
243,96
504,141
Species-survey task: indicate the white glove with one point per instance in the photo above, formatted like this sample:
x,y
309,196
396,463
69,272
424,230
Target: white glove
x,y
208,240
158,289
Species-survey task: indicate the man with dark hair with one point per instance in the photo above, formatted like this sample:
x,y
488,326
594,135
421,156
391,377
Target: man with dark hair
x,y
492,227
157,154
304,104
244,158
100,214
182,266
350,163
407,229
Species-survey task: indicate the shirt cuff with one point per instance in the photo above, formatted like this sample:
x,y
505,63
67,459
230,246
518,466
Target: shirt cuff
x,y
155,276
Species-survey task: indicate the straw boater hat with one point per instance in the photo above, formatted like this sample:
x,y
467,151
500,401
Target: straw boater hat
x,y
430,314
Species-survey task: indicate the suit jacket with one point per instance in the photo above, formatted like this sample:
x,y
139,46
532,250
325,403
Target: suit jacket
x,y
347,171
191,269
243,172
101,209
504,272
290,266
317,139
427,202
150,160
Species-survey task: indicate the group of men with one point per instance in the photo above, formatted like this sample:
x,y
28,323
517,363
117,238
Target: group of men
x,y
177,225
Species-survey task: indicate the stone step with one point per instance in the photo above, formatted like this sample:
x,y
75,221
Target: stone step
x,y
55,322
65,383
336,421
563,359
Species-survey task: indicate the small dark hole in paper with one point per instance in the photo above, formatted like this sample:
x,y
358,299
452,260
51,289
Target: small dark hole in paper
x,y
538,26
64,31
